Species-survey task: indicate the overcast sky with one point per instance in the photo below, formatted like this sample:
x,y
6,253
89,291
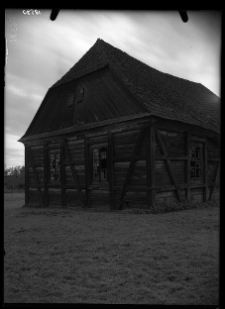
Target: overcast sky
x,y
39,51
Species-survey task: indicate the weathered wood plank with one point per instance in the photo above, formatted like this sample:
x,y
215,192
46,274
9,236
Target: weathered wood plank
x,y
87,173
73,171
55,196
164,187
127,159
72,198
197,139
181,158
214,181
36,178
168,163
132,165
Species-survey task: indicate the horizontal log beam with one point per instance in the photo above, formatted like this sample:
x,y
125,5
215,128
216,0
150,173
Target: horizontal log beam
x,y
197,139
61,133
136,188
74,163
127,159
159,188
172,158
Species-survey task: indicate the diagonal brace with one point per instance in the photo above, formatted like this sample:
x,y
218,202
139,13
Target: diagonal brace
x,y
168,163
74,173
132,165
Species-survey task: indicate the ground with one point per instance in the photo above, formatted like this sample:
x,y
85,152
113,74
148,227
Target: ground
x,y
75,256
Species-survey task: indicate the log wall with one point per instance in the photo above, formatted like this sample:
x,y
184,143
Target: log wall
x,y
148,164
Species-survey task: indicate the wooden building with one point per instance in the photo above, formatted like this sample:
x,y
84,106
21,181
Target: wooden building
x,y
114,132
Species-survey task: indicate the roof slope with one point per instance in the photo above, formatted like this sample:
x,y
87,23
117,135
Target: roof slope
x,y
163,95
160,94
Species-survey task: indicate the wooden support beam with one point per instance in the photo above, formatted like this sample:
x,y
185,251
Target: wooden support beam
x,y
62,172
36,178
110,122
73,172
163,188
214,181
168,163
46,172
188,166
111,171
87,173
26,175
150,165
205,178
131,166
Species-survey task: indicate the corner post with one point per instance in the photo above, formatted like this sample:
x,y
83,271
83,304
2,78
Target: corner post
x,y
150,165
62,174
188,151
111,171
87,173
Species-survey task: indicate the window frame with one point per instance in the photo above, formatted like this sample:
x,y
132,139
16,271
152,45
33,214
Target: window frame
x,y
196,162
57,169
100,150
80,95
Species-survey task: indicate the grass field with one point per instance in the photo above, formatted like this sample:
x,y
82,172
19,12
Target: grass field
x,y
74,256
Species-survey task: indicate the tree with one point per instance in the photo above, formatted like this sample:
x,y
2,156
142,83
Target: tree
x,y
14,177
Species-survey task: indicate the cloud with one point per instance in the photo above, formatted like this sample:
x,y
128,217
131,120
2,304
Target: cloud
x,y
15,90
44,51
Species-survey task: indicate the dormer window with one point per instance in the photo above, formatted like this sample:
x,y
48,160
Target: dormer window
x,y
80,95
70,99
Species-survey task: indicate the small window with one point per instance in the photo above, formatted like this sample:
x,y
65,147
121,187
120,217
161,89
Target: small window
x,y
55,166
70,99
195,162
80,95
100,164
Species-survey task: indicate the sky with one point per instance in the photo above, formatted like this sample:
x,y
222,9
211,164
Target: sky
x,y
40,51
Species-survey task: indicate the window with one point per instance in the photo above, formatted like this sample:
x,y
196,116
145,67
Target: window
x,y
70,99
195,162
55,166
100,164
80,95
